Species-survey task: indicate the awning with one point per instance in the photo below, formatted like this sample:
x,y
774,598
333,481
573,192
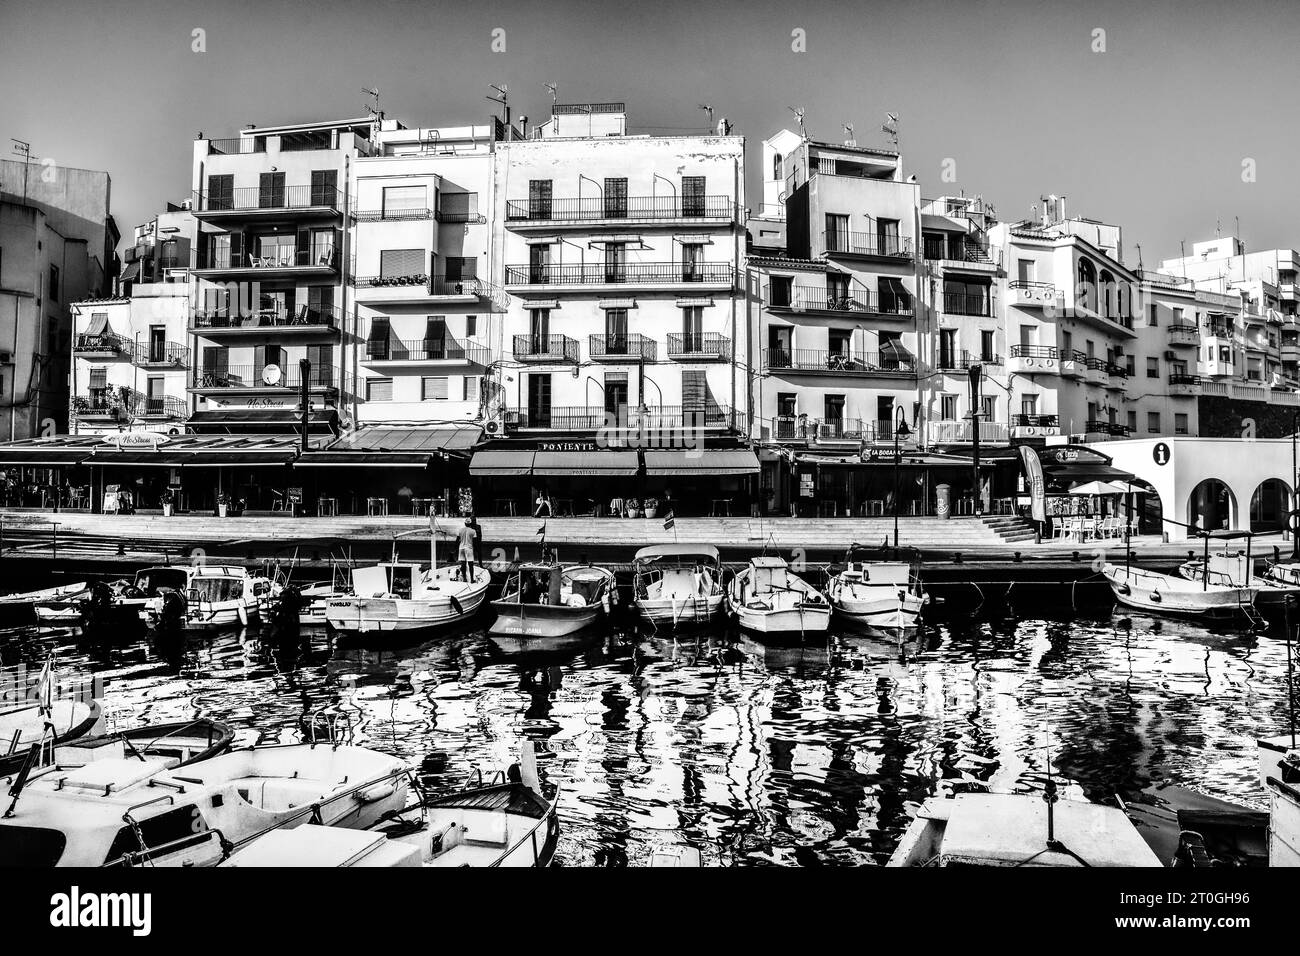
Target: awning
x,y
410,447
561,463
1088,472
98,324
711,461
215,418
131,272
501,463
36,453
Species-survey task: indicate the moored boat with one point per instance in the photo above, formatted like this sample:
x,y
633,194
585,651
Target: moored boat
x,y
64,719
182,742
547,599
768,598
56,605
222,595
406,596
1232,569
883,594
1172,594
677,584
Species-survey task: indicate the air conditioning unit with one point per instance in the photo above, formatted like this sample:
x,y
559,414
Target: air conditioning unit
x,y
494,428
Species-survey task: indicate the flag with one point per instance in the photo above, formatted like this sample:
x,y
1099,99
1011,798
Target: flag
x,y
542,530
45,688
668,521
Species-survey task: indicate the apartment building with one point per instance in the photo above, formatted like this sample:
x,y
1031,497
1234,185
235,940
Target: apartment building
x,y
57,245
161,249
620,254
271,264
421,286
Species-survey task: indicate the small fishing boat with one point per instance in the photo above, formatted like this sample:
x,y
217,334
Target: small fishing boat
x,y
1172,594
1020,829
1284,820
24,726
127,811
153,595
1282,574
505,821
677,584
222,595
769,598
181,742
547,599
1232,569
406,596
884,594
56,605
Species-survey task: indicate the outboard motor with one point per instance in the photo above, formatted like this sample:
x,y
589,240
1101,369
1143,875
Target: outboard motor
x,y
95,609
171,609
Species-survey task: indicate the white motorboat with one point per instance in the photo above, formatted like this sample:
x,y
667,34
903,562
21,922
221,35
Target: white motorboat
x,y
677,584
129,810
504,822
547,599
221,595
1171,594
769,598
154,594
1020,829
56,605
65,719
405,596
883,594
1230,569
1284,820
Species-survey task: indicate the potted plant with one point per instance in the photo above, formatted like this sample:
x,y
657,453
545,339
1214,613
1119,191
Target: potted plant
x,y
168,501
223,505
633,508
651,506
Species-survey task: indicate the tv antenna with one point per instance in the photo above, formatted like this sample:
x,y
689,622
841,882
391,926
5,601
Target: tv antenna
x,y
848,135
708,109
890,126
25,151
373,94
798,112
502,97
552,88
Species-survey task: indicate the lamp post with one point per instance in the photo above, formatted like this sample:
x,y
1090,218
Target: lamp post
x,y
901,432
975,372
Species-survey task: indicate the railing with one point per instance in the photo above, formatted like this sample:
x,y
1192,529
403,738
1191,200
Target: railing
x,y
1184,332
633,345
955,208
240,145
169,354
317,254
591,417
611,207
132,403
1114,429
1029,286
631,273
392,215
867,244
249,198
102,344
1116,371
556,348
254,377
423,350
698,345
1023,420
1035,351
841,429
165,406
1177,379
861,363
954,361
958,432
301,316
805,297
960,303
962,250
421,282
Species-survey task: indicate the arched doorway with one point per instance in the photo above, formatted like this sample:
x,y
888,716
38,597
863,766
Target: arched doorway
x,y
1147,506
1269,505
1211,506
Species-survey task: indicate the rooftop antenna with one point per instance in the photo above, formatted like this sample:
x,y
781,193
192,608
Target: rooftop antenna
x,y
552,88
798,115
708,109
1138,247
25,151
890,126
374,94
502,97
848,135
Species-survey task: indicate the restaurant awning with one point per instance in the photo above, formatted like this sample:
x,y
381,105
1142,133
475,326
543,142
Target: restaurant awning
x,y
213,419
406,447
1088,471
601,462
61,451
502,463
709,461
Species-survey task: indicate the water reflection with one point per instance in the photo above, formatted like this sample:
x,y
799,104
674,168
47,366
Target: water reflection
x,y
757,752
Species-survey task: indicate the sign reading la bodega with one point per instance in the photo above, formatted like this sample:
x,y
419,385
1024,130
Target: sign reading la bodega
x,y
136,441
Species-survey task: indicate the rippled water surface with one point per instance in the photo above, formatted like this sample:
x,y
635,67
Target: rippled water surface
x,y
755,753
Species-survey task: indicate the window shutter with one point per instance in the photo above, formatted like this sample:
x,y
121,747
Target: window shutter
x,y
379,390
99,378
401,262
435,388
469,385
404,201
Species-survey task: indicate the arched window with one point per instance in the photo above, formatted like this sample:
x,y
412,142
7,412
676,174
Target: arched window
x,y
776,167
1085,294
1107,294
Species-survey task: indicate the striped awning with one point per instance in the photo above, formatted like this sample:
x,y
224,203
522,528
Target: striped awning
x,y
561,463
710,461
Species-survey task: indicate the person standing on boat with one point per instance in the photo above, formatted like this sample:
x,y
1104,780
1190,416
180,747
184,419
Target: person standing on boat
x,y
465,539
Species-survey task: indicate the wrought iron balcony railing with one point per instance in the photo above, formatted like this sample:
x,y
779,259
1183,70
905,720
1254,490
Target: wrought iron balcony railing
x,y
546,348
656,208
627,346
301,316
590,418
853,363
420,282
1024,420
698,346
258,377
162,355
959,303
806,297
867,244
320,255
267,199
423,350
629,273
104,344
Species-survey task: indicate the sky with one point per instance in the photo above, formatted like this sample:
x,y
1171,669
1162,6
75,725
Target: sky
x,y
1150,132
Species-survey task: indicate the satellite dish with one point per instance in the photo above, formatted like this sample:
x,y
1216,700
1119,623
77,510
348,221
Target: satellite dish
x,y
271,375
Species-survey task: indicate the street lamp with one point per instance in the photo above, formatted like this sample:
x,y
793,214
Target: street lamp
x,y
975,372
901,432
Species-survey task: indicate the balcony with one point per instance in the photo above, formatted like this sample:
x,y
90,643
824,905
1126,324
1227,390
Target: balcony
x,y
600,275
303,320
1116,376
423,352
1095,371
1038,360
820,362
157,355
961,253
283,262
593,417
621,348
866,245
254,202
416,287
392,215
121,404
1183,334
960,433
105,346
698,347
839,430
960,303
955,361
1107,429
619,211
251,379
1034,426
1180,384
826,300
1031,295
546,349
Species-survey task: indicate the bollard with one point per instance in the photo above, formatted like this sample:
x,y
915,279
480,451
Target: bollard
x,y
1016,559
956,558
1075,558
1277,552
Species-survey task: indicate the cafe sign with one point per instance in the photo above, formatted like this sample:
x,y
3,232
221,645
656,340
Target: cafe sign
x,y
136,441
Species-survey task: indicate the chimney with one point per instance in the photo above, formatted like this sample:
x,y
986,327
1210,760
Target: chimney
x,y
523,127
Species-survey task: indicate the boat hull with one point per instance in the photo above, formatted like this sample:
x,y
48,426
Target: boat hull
x,y
879,610
542,620
785,621
378,615
1166,594
679,613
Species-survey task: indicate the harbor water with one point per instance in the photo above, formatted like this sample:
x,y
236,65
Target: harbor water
x,y
756,753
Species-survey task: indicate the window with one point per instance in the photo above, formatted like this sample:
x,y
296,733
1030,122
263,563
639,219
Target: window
x,y
221,192
693,204
1086,289
1152,315
693,327
837,232
841,341
887,240
459,268
1180,423
539,326
469,388
380,340
988,408
404,202
947,348
779,289
471,325
777,171
539,199
270,191
615,194
1026,270
616,340
399,263
539,263
692,259
965,298
1130,364
948,408
324,187
986,345
1028,404
615,262
1153,367
1132,423
379,389
54,282
1153,423
433,388
695,397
